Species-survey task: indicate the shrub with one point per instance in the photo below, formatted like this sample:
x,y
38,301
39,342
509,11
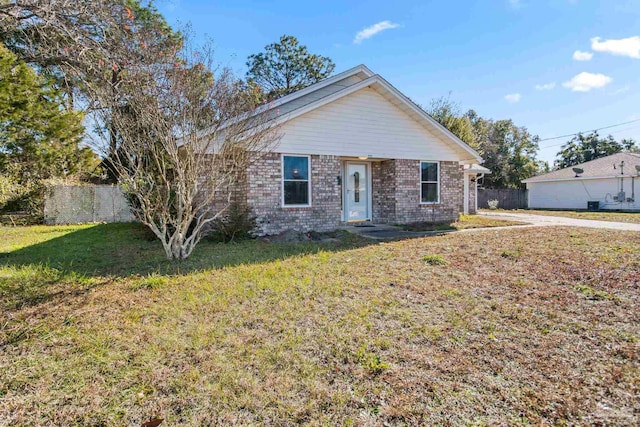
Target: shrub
x,y
493,204
237,224
371,362
434,260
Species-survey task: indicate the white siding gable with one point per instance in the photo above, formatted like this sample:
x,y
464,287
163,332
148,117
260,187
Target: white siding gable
x,y
363,123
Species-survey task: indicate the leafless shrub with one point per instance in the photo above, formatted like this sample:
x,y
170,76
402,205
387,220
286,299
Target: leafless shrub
x,y
177,131
186,136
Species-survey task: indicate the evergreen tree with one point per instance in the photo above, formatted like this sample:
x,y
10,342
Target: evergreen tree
x,y
38,137
286,67
583,148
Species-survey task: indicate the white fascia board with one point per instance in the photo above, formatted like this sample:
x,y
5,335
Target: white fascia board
x,y
321,84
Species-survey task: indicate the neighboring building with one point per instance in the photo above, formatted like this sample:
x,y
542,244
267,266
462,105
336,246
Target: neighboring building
x,y
353,148
611,181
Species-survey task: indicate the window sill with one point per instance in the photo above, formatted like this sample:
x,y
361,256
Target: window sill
x,y
295,206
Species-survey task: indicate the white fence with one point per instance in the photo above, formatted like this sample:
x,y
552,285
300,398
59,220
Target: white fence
x,y
77,204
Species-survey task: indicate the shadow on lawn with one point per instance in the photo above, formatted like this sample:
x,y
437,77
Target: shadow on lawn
x,y
121,250
130,249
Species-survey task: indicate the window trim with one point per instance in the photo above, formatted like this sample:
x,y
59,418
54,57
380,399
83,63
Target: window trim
x,y
282,180
437,162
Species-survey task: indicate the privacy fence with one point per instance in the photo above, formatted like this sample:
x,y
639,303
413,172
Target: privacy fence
x,y
76,204
508,198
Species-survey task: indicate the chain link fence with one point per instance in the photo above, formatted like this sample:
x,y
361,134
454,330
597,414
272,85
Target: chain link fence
x,y
77,204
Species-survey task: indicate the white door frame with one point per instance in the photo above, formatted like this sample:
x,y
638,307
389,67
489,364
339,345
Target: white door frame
x,y
367,165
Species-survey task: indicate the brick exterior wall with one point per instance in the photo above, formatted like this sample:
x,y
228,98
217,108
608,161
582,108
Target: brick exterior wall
x,y
395,194
264,196
383,178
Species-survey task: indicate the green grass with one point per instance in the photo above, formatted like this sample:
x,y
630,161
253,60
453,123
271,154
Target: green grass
x,y
96,328
630,217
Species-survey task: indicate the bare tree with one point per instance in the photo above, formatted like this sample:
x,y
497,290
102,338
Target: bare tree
x,y
187,133
71,40
179,133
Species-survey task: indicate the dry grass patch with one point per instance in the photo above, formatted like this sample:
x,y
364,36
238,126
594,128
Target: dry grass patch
x,y
350,334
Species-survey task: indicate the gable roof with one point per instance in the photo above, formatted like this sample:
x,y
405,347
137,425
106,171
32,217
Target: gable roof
x,y
378,83
368,79
604,167
360,69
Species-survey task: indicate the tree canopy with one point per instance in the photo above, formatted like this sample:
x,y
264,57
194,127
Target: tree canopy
x,y
285,67
508,150
38,138
585,147
79,44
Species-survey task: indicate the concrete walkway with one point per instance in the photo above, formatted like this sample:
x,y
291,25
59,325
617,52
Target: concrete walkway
x,y
392,232
551,221
388,232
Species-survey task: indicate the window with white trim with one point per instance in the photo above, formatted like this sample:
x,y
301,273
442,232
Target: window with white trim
x,y
296,184
429,182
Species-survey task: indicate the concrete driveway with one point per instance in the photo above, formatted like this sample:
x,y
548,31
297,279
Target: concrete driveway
x,y
544,220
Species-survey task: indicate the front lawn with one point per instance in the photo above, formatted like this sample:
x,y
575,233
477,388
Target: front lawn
x,y
631,217
464,222
515,326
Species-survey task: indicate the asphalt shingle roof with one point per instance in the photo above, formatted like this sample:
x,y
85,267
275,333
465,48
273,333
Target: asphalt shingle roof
x,y
602,167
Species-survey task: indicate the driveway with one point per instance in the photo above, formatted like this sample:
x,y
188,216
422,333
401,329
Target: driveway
x,y
544,220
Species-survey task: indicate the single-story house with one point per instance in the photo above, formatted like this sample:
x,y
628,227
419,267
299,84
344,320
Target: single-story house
x,y
353,148
611,181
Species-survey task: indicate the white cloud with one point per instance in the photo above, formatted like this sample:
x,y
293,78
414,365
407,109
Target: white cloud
x,y
546,86
579,55
584,82
513,97
373,30
516,4
621,90
623,47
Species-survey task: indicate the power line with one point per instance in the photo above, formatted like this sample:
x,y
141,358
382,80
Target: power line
x,y
587,131
632,128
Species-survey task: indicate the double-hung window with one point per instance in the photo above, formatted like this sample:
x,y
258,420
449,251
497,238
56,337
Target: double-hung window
x,y
429,182
296,185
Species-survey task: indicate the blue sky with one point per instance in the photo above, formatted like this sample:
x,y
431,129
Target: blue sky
x,y
537,62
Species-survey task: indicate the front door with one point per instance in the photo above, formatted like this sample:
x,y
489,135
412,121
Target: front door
x,y
357,192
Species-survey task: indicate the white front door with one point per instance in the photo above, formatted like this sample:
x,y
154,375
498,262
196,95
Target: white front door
x,y
357,192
